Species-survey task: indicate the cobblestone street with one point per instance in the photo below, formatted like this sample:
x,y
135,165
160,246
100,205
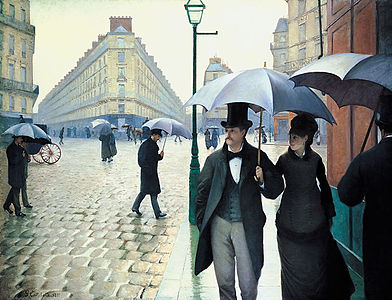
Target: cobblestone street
x,y
81,239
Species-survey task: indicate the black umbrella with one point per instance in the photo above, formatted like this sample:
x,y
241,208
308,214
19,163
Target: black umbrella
x,y
350,79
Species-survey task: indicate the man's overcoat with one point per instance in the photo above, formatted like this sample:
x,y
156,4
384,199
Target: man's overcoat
x,y
212,181
16,167
369,176
148,158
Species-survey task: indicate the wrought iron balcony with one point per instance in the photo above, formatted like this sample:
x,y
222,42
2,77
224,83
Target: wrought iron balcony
x,y
12,85
23,26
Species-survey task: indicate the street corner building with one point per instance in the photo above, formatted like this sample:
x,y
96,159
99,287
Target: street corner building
x,y
115,80
17,91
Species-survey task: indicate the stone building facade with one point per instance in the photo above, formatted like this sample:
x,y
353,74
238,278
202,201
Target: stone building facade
x,y
214,70
115,80
17,91
303,45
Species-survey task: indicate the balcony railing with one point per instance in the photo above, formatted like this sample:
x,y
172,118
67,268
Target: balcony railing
x,y
30,29
7,84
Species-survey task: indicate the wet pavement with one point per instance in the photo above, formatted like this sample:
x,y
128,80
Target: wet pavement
x,y
82,241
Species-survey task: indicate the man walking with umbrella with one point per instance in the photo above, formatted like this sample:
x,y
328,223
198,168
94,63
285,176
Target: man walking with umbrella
x,y
229,213
148,158
16,175
369,177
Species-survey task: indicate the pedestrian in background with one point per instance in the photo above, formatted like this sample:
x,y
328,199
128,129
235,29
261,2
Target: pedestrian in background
x,y
148,158
207,138
26,161
179,138
61,136
112,145
214,138
311,264
129,133
229,213
369,178
104,137
16,169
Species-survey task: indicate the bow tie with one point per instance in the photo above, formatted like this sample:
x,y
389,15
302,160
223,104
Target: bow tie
x,y
231,155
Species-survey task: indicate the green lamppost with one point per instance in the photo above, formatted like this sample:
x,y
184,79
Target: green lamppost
x,y
194,9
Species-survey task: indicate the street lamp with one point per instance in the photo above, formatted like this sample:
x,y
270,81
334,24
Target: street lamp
x,y
194,9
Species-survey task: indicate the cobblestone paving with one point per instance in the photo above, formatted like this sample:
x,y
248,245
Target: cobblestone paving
x,y
81,240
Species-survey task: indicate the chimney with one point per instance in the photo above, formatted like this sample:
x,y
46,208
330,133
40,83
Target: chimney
x,y
116,22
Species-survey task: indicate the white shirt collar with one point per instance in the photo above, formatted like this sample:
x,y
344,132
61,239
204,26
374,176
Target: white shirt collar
x,y
388,136
229,148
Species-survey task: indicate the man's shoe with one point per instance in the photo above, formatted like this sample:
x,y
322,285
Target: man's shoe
x,y
20,214
137,212
8,209
28,206
161,215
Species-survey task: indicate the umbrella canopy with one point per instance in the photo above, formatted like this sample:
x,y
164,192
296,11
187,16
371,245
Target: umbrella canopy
x,y
33,133
171,126
262,89
99,123
349,78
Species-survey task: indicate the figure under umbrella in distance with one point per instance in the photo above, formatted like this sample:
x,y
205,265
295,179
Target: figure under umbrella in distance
x,y
312,266
369,178
16,156
207,138
61,136
229,214
148,158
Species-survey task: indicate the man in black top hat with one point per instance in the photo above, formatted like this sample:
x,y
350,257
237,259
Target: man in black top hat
x,y
229,211
148,158
369,177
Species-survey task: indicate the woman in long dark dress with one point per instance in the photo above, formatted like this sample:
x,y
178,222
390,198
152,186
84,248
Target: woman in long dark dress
x,y
310,260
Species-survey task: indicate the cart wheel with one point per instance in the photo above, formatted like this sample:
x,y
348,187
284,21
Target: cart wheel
x,y
38,158
51,153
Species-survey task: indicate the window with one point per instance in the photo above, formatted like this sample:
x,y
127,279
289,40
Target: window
x,y
23,74
282,58
302,32
317,49
120,42
24,103
11,71
24,48
121,108
12,11
23,16
1,101
214,75
121,56
11,104
11,44
121,72
301,7
302,53
121,90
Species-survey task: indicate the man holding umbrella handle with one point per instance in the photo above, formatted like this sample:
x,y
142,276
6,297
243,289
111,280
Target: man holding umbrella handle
x,y
229,211
148,158
16,172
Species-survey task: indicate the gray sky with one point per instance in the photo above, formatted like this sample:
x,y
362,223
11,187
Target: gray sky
x,y
65,29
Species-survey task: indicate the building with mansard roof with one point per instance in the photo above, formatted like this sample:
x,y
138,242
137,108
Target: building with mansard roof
x,y
115,80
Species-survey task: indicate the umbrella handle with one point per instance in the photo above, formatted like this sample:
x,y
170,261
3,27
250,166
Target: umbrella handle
x,y
258,149
164,143
370,125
